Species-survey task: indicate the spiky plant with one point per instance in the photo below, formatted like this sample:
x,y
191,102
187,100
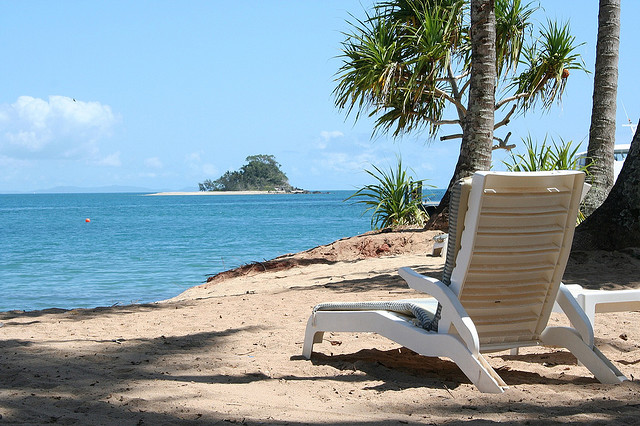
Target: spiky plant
x,y
554,156
548,65
394,200
560,156
408,60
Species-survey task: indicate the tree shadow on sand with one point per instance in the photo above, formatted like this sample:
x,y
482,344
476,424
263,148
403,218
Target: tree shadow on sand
x,y
398,369
44,384
388,280
615,270
84,313
104,382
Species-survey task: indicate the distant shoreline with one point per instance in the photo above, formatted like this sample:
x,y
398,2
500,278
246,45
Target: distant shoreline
x,y
220,193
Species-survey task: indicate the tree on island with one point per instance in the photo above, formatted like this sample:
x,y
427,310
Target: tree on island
x,y
261,173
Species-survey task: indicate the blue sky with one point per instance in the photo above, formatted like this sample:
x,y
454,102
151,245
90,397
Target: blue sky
x,y
164,94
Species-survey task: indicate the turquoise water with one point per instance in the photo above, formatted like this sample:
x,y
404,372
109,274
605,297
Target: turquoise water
x,y
139,249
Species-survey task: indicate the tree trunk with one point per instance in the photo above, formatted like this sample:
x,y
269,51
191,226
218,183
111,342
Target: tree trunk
x,y
616,223
477,129
602,133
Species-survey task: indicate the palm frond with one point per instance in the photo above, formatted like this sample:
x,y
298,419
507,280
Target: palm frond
x,y
556,156
547,66
395,64
372,64
512,21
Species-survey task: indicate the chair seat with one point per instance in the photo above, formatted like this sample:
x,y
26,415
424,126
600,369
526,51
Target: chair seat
x,y
421,311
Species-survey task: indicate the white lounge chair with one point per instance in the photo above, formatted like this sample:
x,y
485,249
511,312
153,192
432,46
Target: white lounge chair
x,y
501,279
592,301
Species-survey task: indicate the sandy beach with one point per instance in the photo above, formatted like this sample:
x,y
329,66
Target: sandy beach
x,y
229,352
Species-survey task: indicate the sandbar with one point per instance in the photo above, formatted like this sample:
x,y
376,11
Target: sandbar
x,y
218,193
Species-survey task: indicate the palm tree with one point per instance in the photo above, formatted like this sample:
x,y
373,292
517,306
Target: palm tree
x,y
477,135
615,222
410,59
603,114
615,225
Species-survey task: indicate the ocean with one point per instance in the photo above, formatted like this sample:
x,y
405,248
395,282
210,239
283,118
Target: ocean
x,y
140,249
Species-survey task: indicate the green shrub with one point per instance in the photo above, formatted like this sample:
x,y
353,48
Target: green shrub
x,y
395,200
548,157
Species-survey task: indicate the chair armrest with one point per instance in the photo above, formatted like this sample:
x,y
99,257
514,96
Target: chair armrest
x,y
451,306
576,314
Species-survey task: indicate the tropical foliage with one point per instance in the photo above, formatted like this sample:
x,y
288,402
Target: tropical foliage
x,y
410,59
407,64
394,200
551,156
548,157
261,173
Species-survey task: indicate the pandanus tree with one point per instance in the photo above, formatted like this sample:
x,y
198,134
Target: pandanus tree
x,y
408,65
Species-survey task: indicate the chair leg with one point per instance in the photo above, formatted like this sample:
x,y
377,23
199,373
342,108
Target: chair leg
x,y
590,357
480,372
589,306
312,335
476,368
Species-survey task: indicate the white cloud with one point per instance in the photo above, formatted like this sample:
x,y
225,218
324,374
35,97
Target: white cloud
x,y
153,163
345,162
326,136
60,127
198,168
112,160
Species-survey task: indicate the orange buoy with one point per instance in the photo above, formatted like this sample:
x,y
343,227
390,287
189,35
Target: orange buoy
x,y
87,220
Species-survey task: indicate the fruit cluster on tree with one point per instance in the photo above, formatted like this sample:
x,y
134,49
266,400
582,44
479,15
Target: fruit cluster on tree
x,y
261,173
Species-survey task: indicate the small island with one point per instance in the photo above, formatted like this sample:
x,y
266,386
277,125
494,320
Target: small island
x,y
261,173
